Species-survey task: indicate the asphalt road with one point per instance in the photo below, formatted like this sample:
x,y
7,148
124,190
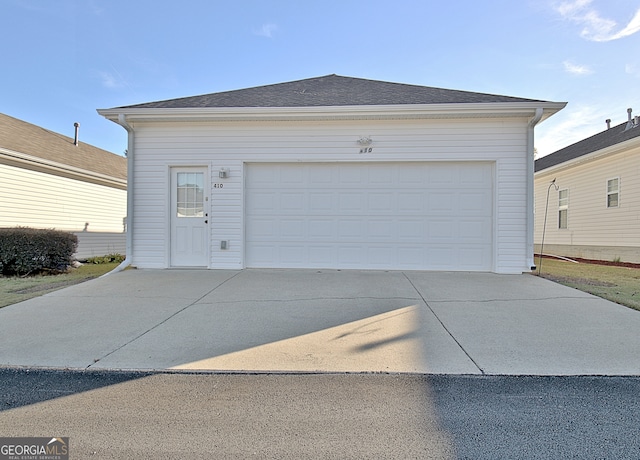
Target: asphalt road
x,y
118,415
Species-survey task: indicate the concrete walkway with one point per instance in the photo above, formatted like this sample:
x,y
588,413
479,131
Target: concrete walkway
x,y
323,320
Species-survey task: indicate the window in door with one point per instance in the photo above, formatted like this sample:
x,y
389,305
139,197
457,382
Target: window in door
x,y
190,194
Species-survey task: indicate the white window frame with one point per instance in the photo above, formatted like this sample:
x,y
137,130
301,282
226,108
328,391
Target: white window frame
x,y
615,192
563,206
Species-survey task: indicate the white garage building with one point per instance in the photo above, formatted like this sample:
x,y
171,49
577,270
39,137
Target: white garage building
x,y
333,172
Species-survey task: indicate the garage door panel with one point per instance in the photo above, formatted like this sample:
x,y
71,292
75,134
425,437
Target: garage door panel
x,y
442,231
414,177
441,203
351,256
293,254
322,175
322,229
350,229
411,202
413,257
381,230
321,202
263,255
322,256
263,228
351,202
475,202
440,257
411,230
474,230
293,229
382,203
366,215
381,175
263,203
380,257
290,176
350,177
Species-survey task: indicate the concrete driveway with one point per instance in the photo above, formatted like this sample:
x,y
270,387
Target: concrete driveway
x,y
323,320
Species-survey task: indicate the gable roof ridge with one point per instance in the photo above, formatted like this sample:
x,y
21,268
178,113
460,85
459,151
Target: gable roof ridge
x,y
330,91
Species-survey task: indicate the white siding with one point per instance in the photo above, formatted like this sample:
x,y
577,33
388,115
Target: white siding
x,y
91,244
39,200
590,222
158,146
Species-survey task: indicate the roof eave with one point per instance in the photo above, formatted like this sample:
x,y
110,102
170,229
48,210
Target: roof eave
x,y
26,161
591,156
400,111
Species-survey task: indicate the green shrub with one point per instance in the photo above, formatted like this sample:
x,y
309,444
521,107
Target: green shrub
x,y
29,250
109,258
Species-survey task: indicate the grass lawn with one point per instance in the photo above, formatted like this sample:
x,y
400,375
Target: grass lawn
x,y
17,289
618,284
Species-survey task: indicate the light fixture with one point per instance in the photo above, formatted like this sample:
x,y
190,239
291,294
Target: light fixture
x,y
223,173
365,140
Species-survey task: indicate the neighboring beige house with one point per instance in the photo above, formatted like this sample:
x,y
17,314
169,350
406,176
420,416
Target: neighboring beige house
x,y
333,172
594,204
48,180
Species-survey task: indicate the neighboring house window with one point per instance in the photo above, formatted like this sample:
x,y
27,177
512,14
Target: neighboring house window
x,y
613,192
563,208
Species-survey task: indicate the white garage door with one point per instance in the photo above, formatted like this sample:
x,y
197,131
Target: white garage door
x,y
416,216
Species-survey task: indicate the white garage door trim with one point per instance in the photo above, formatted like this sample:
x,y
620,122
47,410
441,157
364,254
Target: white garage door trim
x,y
396,216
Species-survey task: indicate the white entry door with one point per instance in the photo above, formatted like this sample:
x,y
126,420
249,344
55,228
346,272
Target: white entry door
x,y
189,217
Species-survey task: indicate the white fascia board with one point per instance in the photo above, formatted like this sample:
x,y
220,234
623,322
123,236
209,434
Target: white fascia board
x,y
26,161
400,111
611,150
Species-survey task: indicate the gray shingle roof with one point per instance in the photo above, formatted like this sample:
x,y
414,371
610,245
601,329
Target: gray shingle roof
x,y
604,139
328,91
26,138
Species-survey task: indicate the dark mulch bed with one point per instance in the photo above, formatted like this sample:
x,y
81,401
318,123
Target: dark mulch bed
x,y
596,262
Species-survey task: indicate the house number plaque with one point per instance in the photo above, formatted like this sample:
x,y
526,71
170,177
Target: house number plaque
x,y
218,185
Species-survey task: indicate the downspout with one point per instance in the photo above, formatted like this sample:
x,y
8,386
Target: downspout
x,y
130,155
530,179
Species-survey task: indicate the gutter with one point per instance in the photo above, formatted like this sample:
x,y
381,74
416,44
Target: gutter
x,y
530,179
358,112
122,121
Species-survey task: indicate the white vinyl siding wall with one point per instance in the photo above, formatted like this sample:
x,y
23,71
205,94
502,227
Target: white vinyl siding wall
x,y
35,199
591,222
161,145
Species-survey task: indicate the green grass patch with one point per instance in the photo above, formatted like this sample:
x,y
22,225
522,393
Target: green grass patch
x,y
15,289
618,284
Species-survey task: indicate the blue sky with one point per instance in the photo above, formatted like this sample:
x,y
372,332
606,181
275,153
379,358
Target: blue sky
x,y
63,59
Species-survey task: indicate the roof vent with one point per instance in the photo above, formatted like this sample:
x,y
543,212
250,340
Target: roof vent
x,y
75,139
630,121
608,122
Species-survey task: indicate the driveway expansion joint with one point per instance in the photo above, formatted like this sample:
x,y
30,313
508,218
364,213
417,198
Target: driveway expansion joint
x,y
444,326
161,322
